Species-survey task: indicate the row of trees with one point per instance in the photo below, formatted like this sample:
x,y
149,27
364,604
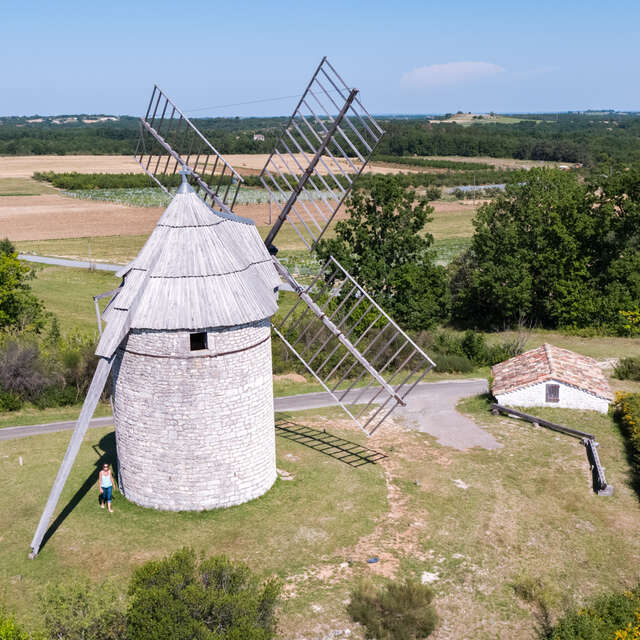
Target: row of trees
x,y
579,138
551,252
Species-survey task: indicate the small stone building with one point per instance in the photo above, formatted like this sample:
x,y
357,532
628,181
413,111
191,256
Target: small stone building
x,y
192,378
551,377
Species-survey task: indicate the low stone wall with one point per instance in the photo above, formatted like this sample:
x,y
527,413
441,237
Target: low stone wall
x,y
195,429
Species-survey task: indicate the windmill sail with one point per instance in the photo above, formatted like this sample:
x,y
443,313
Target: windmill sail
x,y
322,150
336,329
169,141
351,346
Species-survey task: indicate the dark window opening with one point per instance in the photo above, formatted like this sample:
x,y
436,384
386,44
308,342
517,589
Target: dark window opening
x,y
553,393
198,341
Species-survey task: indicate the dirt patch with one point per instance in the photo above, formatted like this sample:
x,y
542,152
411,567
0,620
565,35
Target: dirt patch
x,y
54,216
395,536
289,377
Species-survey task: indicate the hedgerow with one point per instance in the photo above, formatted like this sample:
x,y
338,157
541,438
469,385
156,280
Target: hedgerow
x,y
627,411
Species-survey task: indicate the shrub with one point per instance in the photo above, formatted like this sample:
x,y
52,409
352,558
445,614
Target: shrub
x,y
452,363
80,612
628,369
9,629
56,397
22,371
10,401
179,598
433,193
399,611
627,412
615,616
453,352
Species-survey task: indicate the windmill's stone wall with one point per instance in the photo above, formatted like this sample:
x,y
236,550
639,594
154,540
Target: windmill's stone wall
x,y
195,429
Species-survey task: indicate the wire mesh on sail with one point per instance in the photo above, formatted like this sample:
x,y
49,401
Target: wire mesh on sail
x,y
169,140
324,147
351,346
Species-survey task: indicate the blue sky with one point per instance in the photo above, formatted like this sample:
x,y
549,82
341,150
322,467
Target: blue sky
x,y
404,56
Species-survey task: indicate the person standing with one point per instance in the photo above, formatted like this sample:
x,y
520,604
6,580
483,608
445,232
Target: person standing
x,y
106,487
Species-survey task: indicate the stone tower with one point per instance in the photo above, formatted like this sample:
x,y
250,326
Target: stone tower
x,y
192,379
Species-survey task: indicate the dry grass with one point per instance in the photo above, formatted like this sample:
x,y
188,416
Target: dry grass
x,y
296,525
26,166
23,187
54,216
528,511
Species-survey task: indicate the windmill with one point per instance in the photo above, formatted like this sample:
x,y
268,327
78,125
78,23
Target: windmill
x,y
188,332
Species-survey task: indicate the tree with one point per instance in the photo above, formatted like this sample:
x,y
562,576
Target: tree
x,y
553,251
181,598
383,245
19,308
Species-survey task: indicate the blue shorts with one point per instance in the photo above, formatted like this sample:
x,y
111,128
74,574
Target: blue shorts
x,y
105,496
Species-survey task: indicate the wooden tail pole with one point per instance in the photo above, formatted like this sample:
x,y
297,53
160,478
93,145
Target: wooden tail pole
x,y
93,396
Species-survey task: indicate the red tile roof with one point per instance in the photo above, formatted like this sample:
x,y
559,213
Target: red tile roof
x,y
550,363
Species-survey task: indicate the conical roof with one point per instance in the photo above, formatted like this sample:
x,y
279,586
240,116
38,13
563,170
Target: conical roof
x,y
199,268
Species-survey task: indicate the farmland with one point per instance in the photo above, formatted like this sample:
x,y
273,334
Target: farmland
x,y
479,523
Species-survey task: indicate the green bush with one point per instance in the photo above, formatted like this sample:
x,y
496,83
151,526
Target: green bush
x,y
627,412
628,369
399,611
433,193
453,352
55,397
52,371
10,401
181,598
9,629
452,363
601,620
82,612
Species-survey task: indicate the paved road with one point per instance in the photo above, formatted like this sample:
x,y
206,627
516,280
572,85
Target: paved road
x,y
430,408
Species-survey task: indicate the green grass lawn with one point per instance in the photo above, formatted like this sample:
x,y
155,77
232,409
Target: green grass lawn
x,y
326,509
528,512
481,521
32,415
68,293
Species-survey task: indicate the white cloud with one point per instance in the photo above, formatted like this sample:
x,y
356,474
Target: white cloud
x,y
448,74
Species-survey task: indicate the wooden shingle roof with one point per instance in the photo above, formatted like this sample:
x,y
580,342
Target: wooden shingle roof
x,y
199,268
550,363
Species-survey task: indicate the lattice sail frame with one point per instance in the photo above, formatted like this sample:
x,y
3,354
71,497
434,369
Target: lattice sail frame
x,y
369,363
351,346
322,150
169,141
